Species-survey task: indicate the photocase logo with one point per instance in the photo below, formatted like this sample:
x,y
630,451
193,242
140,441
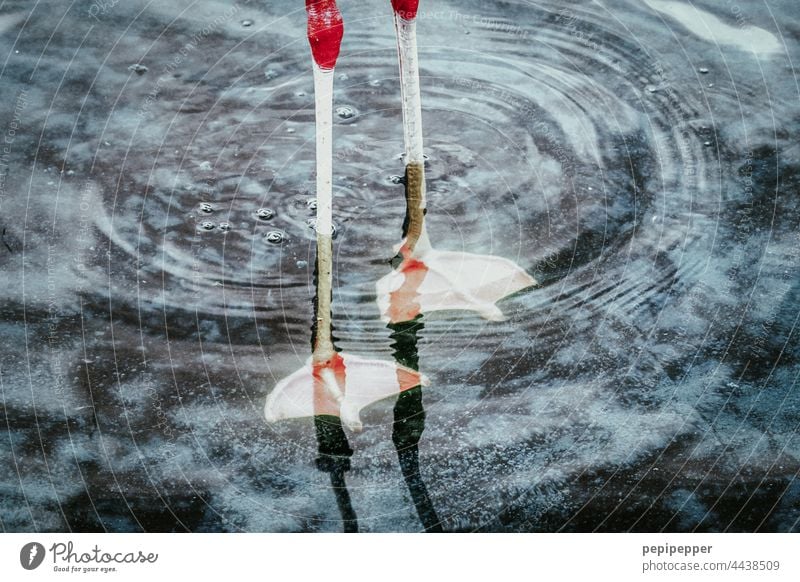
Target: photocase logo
x,y
31,555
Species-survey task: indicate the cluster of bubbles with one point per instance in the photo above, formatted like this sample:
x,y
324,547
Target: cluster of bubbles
x,y
263,215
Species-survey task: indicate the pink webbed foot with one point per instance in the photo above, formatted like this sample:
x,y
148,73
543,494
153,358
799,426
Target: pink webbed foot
x,y
341,386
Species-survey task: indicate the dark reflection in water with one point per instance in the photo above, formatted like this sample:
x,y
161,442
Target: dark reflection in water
x,y
409,422
334,459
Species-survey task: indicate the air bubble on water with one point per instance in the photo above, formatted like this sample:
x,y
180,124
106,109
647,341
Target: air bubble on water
x,y
703,70
395,179
206,207
274,237
205,166
247,22
652,88
311,204
707,143
346,112
265,213
343,77
302,264
138,68
290,130
224,226
271,74
375,83
300,94
207,225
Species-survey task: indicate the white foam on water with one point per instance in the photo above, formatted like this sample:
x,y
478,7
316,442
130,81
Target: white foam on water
x,y
710,28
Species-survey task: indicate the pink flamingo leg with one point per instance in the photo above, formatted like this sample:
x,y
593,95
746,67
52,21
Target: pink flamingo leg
x,y
330,382
428,279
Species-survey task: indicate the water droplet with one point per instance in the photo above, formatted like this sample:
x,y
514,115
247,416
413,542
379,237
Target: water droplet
x,y
703,70
265,213
395,179
651,88
311,204
271,74
290,130
247,22
346,112
206,207
207,225
302,264
343,77
375,83
707,143
274,236
224,226
138,69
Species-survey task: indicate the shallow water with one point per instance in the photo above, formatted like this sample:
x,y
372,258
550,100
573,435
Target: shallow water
x,y
638,158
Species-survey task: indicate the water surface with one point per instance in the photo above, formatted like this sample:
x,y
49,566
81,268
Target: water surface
x,y
639,158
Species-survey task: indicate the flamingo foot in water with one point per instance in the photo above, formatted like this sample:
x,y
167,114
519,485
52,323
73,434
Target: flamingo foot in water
x,y
430,280
340,386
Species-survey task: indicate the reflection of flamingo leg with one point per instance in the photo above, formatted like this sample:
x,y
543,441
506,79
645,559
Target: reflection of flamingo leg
x,y
334,458
343,501
409,422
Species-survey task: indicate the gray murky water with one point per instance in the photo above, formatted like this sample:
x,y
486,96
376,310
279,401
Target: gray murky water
x,y
639,158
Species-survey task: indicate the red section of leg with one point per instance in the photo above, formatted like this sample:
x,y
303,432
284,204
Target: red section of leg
x,y
324,402
406,9
403,304
325,31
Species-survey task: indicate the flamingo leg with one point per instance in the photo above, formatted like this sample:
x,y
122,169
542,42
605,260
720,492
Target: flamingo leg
x,y
405,22
331,383
325,31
